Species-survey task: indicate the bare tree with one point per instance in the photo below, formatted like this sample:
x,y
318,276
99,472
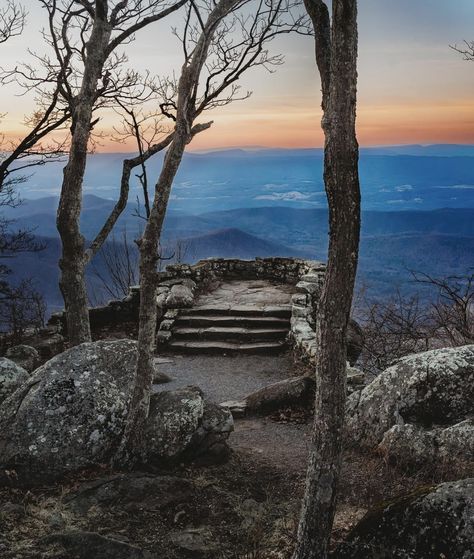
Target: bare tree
x,y
336,57
393,328
116,266
402,324
451,314
22,308
220,43
12,20
17,155
87,74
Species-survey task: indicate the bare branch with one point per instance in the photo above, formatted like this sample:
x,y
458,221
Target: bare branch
x,y
12,20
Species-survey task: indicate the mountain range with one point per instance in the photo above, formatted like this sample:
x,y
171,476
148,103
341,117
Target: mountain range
x,y
418,211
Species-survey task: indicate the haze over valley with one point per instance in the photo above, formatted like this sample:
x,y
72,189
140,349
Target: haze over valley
x,y
418,211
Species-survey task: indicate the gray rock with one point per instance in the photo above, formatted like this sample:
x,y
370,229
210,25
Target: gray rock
x,y
355,376
172,420
161,378
163,336
209,441
237,408
283,393
181,295
428,389
181,422
197,540
50,345
12,376
413,446
429,523
70,415
24,356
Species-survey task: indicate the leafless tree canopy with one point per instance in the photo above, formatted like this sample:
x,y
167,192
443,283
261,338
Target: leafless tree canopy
x,y
402,325
12,20
467,50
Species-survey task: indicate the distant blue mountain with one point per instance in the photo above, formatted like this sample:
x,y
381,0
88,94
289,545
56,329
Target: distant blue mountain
x,y
392,178
418,209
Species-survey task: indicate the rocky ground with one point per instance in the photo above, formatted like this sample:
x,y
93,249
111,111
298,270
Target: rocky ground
x,y
410,429
244,508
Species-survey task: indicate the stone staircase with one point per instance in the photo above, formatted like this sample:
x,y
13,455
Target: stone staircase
x,y
229,328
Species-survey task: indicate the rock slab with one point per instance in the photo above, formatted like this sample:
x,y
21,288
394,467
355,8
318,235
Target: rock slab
x,y
430,389
432,522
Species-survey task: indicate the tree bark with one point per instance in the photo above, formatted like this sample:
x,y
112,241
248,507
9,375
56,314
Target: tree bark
x,y
343,193
73,259
131,449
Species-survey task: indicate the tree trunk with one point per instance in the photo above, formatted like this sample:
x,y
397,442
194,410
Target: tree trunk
x,y
343,193
73,259
131,449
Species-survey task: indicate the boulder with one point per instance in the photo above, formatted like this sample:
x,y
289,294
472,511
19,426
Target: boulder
x,y
413,446
298,390
434,388
430,522
49,344
70,414
181,295
25,356
12,376
198,541
181,422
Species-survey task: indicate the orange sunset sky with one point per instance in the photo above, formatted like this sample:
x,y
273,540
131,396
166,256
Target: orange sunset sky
x,y
412,87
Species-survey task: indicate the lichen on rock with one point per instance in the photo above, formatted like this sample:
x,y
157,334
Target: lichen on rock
x,y
71,414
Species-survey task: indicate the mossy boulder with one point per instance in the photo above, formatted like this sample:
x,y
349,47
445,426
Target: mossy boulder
x,y
430,523
71,414
434,388
413,446
12,376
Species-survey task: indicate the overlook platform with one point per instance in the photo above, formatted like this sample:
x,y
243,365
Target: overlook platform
x,y
251,316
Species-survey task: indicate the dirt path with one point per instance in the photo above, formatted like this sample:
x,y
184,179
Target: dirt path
x,y
226,377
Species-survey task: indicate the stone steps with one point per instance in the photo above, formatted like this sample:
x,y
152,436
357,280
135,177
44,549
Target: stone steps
x,y
249,335
274,311
212,320
231,328
220,347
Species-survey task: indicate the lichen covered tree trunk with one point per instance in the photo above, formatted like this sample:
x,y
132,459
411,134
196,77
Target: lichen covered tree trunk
x,y
73,259
131,449
336,54
140,402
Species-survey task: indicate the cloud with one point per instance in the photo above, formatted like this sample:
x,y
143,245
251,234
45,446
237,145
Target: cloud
x,y
292,196
404,188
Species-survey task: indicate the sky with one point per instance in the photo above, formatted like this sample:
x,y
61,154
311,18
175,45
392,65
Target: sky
x,y
413,88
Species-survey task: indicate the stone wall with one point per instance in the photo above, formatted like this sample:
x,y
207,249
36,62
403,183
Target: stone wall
x,y
304,307
305,274
180,284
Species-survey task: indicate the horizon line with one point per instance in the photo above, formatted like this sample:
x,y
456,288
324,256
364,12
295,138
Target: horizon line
x,y
302,148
